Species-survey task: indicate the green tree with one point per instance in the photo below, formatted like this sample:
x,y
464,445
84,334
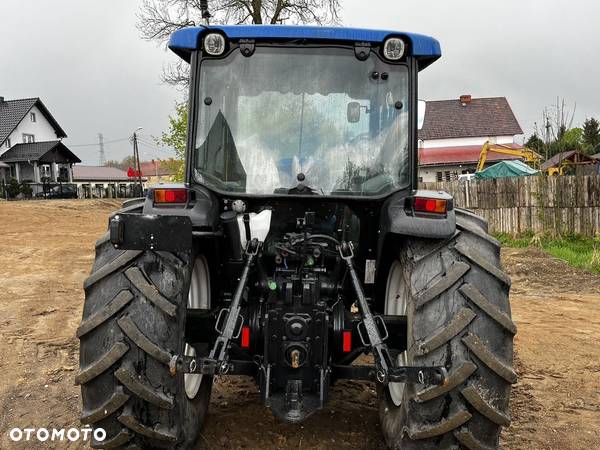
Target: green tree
x,y
572,139
535,143
176,138
591,135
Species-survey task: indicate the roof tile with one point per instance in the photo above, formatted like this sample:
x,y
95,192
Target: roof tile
x,y
482,117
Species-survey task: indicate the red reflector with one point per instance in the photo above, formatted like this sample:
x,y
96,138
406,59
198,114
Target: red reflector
x,y
245,337
346,341
170,196
430,205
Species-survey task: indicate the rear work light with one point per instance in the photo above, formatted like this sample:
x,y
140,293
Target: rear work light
x,y
170,196
393,48
214,44
430,205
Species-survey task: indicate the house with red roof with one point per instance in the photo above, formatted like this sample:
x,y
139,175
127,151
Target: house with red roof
x,y
157,171
455,130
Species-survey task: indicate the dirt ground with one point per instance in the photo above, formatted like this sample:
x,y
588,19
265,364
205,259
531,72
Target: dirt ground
x,y
46,251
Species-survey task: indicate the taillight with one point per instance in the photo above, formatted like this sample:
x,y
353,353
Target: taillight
x,y
245,340
170,196
430,205
346,341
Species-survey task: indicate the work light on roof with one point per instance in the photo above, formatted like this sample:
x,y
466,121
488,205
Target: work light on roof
x,y
214,44
393,48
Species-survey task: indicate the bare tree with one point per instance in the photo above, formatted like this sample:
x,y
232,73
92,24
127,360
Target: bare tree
x,y
557,120
158,19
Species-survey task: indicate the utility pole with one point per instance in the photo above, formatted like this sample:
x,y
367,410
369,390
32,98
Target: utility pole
x,y
136,160
102,154
547,137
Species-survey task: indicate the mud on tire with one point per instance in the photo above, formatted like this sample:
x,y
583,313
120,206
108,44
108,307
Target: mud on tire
x,y
133,323
459,317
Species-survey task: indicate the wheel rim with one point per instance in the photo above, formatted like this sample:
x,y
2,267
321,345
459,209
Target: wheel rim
x,y
198,297
395,305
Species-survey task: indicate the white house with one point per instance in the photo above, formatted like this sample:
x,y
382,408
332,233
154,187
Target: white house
x,y
454,132
30,143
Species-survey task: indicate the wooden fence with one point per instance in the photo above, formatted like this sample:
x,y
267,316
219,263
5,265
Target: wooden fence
x,y
538,204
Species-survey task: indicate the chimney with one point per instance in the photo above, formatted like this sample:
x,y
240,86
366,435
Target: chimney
x,y
1,99
465,99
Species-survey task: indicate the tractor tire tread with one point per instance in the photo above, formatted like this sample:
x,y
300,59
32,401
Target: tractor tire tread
x,y
474,256
444,426
476,400
458,323
466,438
101,365
120,261
473,294
140,280
487,357
133,382
115,401
455,378
97,319
131,330
130,421
118,440
452,276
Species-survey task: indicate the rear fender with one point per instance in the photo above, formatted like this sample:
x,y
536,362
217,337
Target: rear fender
x,y
398,218
167,227
202,207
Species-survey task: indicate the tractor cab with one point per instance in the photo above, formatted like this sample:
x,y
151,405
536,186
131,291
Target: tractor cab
x,y
280,110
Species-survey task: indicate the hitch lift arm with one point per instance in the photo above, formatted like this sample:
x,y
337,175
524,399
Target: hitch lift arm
x,y
376,334
218,359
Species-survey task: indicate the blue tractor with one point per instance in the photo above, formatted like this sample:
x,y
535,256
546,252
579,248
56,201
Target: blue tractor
x,y
299,252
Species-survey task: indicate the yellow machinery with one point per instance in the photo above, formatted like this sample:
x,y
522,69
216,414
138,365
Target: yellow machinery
x,y
529,156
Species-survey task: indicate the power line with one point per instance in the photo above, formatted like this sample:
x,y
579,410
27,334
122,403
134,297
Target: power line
x,y
154,148
105,142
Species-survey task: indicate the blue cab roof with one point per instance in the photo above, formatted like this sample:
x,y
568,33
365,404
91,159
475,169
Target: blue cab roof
x,y
426,49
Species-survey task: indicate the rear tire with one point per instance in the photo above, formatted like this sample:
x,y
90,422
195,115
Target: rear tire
x,y
455,296
133,323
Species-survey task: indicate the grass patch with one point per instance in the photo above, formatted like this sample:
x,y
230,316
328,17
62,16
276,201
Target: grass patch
x,y
578,251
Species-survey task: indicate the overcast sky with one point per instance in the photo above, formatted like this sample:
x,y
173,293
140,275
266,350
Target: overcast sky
x,y
85,59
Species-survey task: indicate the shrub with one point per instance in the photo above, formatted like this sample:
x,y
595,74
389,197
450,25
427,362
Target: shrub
x,y
26,190
13,188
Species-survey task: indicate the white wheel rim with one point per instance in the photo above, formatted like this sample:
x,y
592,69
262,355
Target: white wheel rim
x,y
395,305
198,297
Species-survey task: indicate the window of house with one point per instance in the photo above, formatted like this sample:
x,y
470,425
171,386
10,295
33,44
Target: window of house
x,y
45,171
8,143
28,138
438,176
448,175
33,118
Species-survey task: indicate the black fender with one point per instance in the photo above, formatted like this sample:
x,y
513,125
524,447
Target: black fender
x,y
167,227
398,217
202,207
